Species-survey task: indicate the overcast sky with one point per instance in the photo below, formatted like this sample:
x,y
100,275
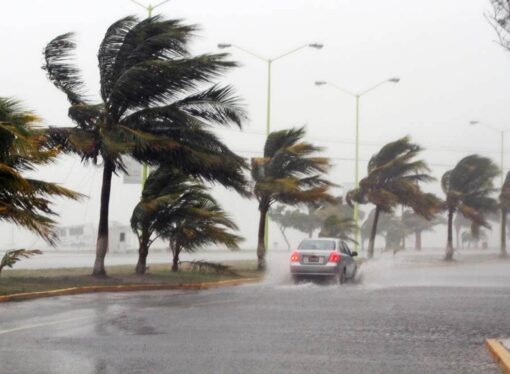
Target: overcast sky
x,y
445,52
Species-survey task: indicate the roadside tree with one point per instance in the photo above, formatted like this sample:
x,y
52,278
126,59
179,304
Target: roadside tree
x,y
26,201
393,179
504,203
177,208
468,188
153,107
288,173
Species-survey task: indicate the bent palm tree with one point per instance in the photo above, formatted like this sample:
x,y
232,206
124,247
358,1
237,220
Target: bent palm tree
x,y
393,178
175,207
26,201
468,187
336,226
504,203
416,224
152,107
205,223
288,173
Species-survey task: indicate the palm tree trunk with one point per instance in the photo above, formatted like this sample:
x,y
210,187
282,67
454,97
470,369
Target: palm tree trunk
x,y
503,252
102,235
457,235
417,245
282,230
449,244
261,249
143,252
373,232
175,263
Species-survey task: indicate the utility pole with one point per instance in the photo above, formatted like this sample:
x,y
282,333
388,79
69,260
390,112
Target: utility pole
x,y
149,8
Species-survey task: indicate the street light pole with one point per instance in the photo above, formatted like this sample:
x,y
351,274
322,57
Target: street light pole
x,y
269,62
357,97
149,8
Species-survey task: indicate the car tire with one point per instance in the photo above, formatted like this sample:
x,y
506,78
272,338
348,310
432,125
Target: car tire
x,y
295,279
354,273
341,276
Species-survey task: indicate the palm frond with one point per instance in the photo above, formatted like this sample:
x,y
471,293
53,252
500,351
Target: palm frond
x,y
58,56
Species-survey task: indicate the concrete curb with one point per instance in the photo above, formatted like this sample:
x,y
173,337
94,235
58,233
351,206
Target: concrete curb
x,y
126,288
500,354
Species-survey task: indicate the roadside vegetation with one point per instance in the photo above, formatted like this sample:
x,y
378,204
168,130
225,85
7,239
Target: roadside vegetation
x,y
289,172
21,281
159,104
393,178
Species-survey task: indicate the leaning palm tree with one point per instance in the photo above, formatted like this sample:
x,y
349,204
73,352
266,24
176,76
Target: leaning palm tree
x,y
288,173
394,177
336,226
26,201
153,107
416,224
205,223
468,187
504,203
174,207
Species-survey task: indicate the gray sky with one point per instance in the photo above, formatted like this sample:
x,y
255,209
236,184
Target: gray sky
x,y
444,51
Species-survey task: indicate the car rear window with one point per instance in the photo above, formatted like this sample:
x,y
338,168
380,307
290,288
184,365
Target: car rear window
x,y
317,244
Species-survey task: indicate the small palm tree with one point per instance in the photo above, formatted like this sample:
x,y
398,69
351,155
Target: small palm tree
x,y
288,173
12,257
393,178
468,187
336,226
175,207
416,224
26,201
504,203
206,223
152,107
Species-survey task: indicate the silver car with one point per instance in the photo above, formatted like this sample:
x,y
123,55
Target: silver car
x,y
323,257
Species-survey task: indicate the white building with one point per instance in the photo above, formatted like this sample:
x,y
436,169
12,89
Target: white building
x,y
83,237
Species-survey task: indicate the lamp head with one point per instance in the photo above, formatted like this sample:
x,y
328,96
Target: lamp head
x,y
472,123
224,45
316,45
320,83
394,80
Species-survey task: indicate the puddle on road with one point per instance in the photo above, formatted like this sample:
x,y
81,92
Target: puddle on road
x,y
403,270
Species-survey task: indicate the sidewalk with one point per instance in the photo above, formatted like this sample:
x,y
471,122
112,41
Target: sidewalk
x,y
500,350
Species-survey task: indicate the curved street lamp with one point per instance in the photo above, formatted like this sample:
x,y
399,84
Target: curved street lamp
x,y
357,97
269,62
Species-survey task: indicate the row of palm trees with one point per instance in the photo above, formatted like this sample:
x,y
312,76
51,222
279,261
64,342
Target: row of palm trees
x,y
395,175
158,104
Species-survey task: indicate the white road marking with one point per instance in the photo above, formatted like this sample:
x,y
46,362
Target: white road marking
x,y
28,327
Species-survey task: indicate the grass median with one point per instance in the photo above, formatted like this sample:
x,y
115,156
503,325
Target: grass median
x,y
22,281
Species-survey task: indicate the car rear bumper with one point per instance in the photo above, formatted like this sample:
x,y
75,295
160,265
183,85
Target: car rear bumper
x,y
324,270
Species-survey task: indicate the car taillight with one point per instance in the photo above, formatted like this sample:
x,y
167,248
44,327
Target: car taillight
x,y
333,257
294,257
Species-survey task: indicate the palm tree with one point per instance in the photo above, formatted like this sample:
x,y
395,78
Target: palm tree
x,y
393,178
468,187
504,202
336,226
416,225
283,219
205,224
152,107
288,173
26,201
13,256
178,208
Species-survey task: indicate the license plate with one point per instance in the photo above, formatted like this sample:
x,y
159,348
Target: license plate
x,y
313,259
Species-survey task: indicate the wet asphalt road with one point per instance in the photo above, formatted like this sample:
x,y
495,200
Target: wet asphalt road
x,y
278,328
